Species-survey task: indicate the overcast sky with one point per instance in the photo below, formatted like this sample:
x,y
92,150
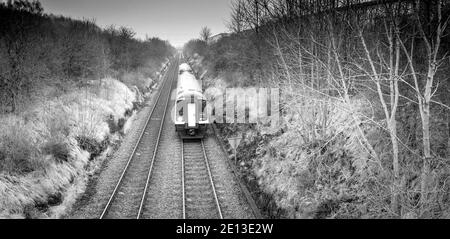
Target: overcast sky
x,y
175,20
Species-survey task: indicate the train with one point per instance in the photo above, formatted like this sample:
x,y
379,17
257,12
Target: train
x,y
184,67
190,111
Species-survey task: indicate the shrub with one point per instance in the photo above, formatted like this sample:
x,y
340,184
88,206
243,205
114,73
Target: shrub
x,y
113,126
121,125
314,165
59,150
17,146
92,146
117,127
137,79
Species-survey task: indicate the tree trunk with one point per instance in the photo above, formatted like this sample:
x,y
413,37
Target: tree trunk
x,y
395,163
426,151
448,132
13,102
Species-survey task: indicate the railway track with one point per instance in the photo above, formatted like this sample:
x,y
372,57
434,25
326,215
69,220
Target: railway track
x,y
128,197
168,177
199,192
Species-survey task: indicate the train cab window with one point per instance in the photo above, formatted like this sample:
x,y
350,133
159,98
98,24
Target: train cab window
x,y
203,116
203,105
180,111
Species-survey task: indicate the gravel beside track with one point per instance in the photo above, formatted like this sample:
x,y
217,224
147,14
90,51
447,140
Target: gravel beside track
x,y
232,201
164,191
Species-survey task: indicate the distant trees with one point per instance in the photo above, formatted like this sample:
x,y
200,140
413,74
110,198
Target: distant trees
x,y
205,34
236,23
195,46
21,66
38,50
33,7
200,45
83,52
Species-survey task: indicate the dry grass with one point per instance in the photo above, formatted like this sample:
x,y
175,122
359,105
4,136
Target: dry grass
x,y
137,79
41,161
318,159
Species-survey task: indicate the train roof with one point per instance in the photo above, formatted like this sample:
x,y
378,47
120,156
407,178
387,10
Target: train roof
x,y
185,67
187,83
187,95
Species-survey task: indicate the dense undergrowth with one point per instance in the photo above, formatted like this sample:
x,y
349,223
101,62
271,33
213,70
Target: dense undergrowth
x,y
364,105
46,152
317,163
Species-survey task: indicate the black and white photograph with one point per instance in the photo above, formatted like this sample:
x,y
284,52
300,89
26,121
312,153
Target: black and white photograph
x,y
249,110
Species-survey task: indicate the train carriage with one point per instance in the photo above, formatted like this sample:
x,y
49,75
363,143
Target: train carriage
x,y
184,67
190,114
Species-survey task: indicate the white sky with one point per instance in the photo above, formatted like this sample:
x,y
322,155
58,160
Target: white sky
x,y
175,20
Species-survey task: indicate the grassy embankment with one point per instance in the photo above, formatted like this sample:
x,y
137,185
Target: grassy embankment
x,y
312,165
48,152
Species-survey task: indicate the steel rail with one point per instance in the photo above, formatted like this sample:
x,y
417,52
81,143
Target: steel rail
x,y
144,194
211,181
182,179
118,184
210,177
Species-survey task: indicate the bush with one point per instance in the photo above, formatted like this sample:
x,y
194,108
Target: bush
x,y
17,146
92,146
137,79
313,165
59,150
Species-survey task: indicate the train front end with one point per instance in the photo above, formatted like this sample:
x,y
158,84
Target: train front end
x,y
191,116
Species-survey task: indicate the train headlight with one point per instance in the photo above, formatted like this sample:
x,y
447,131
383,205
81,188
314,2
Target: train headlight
x,y
180,119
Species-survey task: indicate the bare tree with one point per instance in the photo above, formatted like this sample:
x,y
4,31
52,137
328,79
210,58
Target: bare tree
x,y
237,23
389,54
205,34
384,67
424,82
